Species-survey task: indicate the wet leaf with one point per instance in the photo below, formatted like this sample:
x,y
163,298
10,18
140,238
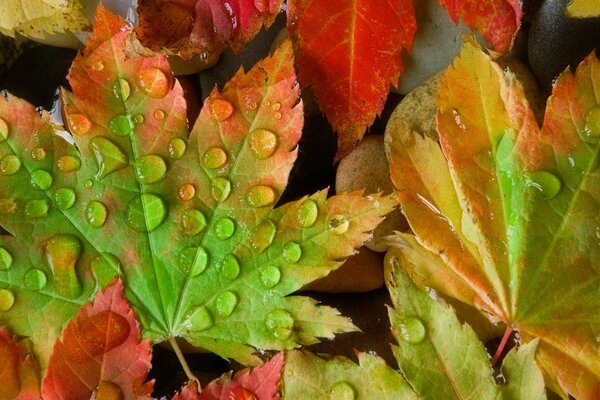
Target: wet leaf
x,y
18,370
583,9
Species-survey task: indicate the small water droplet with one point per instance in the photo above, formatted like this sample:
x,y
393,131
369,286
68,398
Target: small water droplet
x,y
139,119
276,106
122,89
7,299
192,222
62,254
186,192
270,276
260,196
224,228
342,391
109,158
412,330
193,259
263,143
145,213
267,103
153,82
150,169
68,163
38,153
105,267
547,183
308,211
159,114
221,109
97,66
121,125
88,184
7,205
201,319
220,188
36,208
108,391
339,224
292,252
281,323
252,105
78,124
10,164
177,148
591,129
96,214
277,115
6,259
230,267
225,303
34,279
263,235
214,158
4,131
64,198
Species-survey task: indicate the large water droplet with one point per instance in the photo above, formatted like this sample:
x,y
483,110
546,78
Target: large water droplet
x,y
122,89
193,259
68,163
342,391
263,143
224,228
292,252
8,205
105,267
186,192
7,299
38,154
214,158
339,224
192,222
412,330
270,276
308,212
281,323
177,148
221,109
150,169
225,303
109,158
260,196
230,267
10,164
34,279
62,254
64,198
263,235
78,124
220,188
6,259
121,125
145,213
96,213
4,131
153,82
108,391
201,319
592,123
41,179
547,183
36,208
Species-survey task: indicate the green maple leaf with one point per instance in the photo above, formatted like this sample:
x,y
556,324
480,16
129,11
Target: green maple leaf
x,y
186,220
439,358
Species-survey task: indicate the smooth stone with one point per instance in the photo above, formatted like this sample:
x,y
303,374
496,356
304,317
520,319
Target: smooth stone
x,y
367,167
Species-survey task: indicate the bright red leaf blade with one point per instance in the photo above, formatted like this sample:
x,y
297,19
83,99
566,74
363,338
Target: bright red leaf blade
x,y
18,369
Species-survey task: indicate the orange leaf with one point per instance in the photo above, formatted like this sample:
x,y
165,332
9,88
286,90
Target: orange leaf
x,y
18,375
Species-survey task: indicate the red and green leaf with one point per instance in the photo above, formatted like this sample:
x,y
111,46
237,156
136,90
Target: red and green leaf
x,y
18,369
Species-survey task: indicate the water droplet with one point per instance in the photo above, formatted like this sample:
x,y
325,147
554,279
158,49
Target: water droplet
x,y
68,163
153,82
62,254
241,393
7,205
230,267
121,125
105,267
192,222
34,279
7,299
214,158
145,213
252,105
263,143
339,224
221,109
41,179
139,119
548,184
64,198
270,276
186,192
224,228
412,330
109,158
6,259
260,196
176,148
36,208
267,103
10,164
201,319
78,124
591,129
108,391
276,106
193,259
150,169
122,89
220,189
263,235
97,66
292,252
159,114
342,391
88,184
281,323
225,303
4,131
277,115
38,153
308,212
96,214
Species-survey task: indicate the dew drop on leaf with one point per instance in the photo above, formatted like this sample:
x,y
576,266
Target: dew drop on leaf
x,y
7,299
292,252
339,224
186,192
277,115
342,391
308,212
153,82
34,279
276,106
64,198
41,178
10,164
6,259
201,319
230,267
88,184
224,228
108,391
281,323
4,130
547,183
263,235
62,253
7,205
221,109
226,303
109,158
139,119
105,267
68,163
145,213
220,188
263,143
591,129
159,114
122,89
150,169
260,196
121,125
97,66
36,208
79,124
412,330
192,222
214,158
270,276
177,147
38,153
96,213
193,259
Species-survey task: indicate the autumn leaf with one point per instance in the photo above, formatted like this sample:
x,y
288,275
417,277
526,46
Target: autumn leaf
x,y
509,209
100,353
203,27
186,220
583,9
18,369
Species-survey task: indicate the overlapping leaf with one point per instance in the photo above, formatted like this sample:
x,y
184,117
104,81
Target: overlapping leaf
x,y
583,9
514,212
185,220
18,375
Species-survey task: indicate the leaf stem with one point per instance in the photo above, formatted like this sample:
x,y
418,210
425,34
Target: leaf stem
x,y
184,364
502,345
